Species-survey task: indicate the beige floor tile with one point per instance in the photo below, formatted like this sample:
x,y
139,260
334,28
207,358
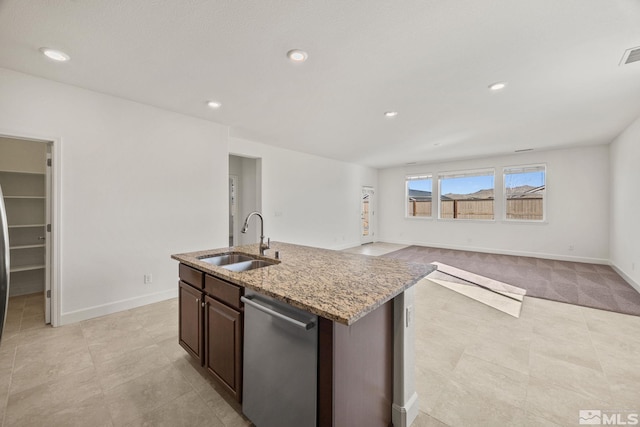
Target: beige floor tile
x,y
135,398
526,419
32,322
16,304
438,349
32,369
491,381
586,381
575,352
512,356
92,411
171,348
130,365
460,406
429,386
425,420
542,308
559,405
35,405
117,343
187,410
160,324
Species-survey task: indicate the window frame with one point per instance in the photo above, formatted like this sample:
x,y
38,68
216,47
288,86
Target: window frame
x,y
466,172
415,177
545,201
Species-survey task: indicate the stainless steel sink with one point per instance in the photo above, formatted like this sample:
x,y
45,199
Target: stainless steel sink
x,y
248,265
228,258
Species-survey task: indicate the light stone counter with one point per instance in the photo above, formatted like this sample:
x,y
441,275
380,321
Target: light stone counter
x,y
338,286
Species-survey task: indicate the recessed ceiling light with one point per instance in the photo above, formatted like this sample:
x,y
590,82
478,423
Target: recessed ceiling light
x,y
411,163
56,55
214,104
297,55
523,150
390,113
498,86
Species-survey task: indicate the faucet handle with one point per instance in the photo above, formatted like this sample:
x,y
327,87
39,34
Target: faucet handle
x,y
268,243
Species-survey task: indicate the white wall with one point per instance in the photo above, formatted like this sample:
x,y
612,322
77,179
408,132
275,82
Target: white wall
x,y
577,209
247,197
307,199
625,204
136,184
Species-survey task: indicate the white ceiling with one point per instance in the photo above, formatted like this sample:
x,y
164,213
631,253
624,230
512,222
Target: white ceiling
x,y
431,60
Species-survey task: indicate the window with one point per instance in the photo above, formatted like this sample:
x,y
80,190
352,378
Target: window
x,y
524,193
467,195
418,196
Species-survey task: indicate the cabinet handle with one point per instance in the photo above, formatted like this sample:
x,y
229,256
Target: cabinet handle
x,y
203,304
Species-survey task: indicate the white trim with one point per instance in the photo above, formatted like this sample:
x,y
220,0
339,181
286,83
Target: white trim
x,y
544,219
635,285
56,197
346,246
403,416
542,255
116,306
415,177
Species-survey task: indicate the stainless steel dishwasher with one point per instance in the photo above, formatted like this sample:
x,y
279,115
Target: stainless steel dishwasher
x,y
280,363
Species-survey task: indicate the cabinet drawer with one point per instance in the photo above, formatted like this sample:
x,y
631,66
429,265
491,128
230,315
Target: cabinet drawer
x,y
223,291
191,275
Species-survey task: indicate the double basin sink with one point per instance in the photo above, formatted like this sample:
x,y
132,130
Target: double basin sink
x,y
238,262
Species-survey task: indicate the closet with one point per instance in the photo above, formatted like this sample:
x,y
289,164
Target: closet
x,y
23,181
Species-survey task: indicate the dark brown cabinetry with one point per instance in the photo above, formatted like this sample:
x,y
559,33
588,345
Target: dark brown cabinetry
x,y
223,333
211,316
190,334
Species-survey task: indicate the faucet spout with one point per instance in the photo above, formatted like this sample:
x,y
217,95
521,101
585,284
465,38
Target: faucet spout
x,y
245,227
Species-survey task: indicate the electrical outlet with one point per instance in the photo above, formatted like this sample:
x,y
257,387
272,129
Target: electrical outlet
x,y
148,278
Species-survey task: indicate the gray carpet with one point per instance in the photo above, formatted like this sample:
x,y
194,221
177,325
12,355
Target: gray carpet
x,y
588,285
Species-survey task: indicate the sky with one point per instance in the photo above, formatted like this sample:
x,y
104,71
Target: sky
x,y
468,185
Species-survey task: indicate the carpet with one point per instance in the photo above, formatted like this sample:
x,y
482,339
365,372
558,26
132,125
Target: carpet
x,y
589,285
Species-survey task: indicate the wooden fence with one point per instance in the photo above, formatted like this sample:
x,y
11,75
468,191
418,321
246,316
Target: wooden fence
x,y
526,209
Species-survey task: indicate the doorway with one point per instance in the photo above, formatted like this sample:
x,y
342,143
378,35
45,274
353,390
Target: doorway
x,y
245,196
367,212
26,180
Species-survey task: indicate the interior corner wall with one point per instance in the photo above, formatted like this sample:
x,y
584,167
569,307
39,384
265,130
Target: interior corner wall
x,y
577,209
625,204
306,199
136,184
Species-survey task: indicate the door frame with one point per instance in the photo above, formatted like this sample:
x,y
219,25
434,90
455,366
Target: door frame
x,y
55,237
372,193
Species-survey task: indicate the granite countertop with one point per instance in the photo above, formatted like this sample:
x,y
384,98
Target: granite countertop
x,y
336,285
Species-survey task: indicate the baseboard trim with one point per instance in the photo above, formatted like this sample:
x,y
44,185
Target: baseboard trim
x,y
502,251
116,306
346,246
626,277
403,416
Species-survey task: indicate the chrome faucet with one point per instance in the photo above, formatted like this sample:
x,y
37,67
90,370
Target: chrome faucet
x,y
245,227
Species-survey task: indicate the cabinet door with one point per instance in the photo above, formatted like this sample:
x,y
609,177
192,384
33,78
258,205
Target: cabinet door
x,y
223,343
190,335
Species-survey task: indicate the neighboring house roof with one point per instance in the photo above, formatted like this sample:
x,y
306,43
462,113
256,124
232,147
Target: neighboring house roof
x,y
419,195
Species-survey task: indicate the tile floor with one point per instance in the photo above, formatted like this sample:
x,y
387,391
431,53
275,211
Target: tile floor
x,y
125,369
475,366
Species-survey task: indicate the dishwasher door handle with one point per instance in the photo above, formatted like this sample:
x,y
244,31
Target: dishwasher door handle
x,y
297,323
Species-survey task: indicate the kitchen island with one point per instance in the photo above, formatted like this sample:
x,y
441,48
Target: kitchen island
x,y
365,341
